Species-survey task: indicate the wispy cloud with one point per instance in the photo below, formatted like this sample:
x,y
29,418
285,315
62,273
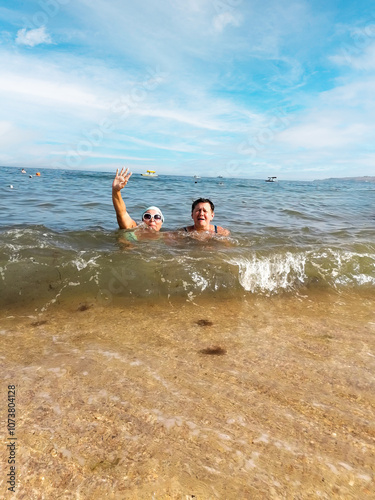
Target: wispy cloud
x,y
226,19
46,91
362,58
33,37
169,147
107,156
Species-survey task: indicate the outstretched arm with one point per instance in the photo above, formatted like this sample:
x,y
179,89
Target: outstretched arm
x,y
123,218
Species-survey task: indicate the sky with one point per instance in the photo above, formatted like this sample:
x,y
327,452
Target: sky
x,y
238,88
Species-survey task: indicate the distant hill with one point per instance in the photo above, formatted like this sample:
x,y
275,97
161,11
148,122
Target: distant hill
x,y
365,178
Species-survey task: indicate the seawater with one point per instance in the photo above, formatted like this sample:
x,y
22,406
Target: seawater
x,y
59,237
175,368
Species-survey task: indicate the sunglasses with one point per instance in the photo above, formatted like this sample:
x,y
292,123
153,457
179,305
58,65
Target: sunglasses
x,y
150,216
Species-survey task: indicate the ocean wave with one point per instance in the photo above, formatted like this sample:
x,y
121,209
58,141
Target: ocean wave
x,y
43,266
268,274
289,271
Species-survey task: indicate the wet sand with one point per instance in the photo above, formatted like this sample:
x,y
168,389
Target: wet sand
x,y
267,398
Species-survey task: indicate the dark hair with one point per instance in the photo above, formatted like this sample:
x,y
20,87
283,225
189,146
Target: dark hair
x,y
202,200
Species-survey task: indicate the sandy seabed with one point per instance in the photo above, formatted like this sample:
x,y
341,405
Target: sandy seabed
x,y
263,398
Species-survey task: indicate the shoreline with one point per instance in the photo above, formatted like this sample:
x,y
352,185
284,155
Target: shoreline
x,y
257,398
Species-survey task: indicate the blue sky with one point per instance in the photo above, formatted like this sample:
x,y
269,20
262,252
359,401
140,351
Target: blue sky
x,y
211,87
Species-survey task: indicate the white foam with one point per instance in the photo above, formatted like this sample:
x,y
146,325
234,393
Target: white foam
x,y
81,263
268,274
200,281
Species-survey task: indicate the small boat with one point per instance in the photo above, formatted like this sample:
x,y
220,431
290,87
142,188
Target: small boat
x,y
150,173
197,176
271,179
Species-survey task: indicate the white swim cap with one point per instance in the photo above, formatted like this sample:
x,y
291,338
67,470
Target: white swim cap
x,y
157,210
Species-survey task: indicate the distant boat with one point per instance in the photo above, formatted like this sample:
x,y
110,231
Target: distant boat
x,y
150,173
197,176
271,179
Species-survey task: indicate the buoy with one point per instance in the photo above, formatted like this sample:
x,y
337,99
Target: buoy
x,y
10,185
38,174
30,176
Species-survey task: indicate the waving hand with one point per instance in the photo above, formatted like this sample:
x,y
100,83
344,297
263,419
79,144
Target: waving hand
x,y
121,179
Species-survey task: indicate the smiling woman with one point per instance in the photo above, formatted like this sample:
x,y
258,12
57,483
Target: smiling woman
x,y
152,216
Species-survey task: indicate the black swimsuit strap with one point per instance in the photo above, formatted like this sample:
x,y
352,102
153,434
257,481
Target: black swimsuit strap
x,y
215,229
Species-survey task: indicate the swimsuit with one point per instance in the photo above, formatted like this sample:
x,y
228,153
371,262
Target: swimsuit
x,y
186,229
130,236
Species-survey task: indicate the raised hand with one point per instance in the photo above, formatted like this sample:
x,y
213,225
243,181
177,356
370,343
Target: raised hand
x,y
121,179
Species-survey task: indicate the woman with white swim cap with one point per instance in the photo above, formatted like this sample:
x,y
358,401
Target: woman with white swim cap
x,y
152,216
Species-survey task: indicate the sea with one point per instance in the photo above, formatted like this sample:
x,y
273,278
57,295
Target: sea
x,y
184,368
59,236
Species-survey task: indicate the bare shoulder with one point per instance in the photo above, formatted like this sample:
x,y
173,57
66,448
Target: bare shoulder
x,y
186,229
222,231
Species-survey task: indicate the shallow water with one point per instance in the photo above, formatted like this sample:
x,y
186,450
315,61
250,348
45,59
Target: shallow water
x,y
261,398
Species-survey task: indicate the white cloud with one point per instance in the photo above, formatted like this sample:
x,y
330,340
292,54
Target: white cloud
x,y
5,127
169,147
187,117
46,91
356,57
107,156
33,37
221,21
13,136
322,135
